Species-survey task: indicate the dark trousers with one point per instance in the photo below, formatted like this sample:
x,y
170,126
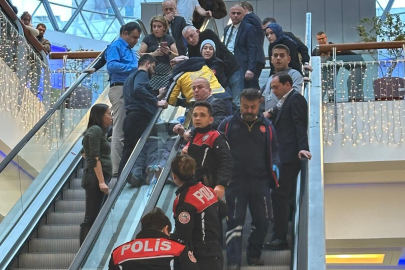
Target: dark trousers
x,y
281,198
239,195
209,256
134,125
94,201
254,83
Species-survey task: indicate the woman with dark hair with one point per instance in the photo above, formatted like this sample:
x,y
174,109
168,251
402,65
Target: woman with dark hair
x,y
275,35
196,214
98,170
26,19
162,46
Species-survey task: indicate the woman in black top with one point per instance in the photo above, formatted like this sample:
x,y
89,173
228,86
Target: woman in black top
x,y
195,211
274,34
98,169
162,46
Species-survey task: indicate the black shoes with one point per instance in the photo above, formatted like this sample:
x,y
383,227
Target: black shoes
x,y
233,267
255,261
276,244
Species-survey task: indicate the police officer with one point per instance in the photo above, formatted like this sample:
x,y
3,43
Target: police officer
x,y
254,150
152,248
196,214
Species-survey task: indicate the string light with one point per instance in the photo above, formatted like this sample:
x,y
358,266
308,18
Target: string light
x,y
22,71
363,119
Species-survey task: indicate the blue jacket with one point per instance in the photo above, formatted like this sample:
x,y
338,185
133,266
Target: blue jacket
x,y
254,20
271,145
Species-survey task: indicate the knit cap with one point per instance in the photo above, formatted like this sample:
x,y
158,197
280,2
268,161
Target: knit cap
x,y
208,41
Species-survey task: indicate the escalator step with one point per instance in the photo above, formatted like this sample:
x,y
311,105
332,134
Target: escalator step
x,y
46,260
43,245
265,267
76,183
65,218
70,206
74,194
270,257
58,231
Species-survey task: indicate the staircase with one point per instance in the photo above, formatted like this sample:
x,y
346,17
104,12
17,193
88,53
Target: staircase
x,y
55,242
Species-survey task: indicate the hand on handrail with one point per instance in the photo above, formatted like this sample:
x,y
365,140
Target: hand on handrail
x,y
304,154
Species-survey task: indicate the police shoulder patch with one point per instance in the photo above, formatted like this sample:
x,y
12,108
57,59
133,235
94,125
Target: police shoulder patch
x,y
191,257
184,217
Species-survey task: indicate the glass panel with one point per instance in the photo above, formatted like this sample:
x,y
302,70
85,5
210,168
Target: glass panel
x,y
41,16
113,31
62,14
23,178
100,6
127,210
79,28
100,24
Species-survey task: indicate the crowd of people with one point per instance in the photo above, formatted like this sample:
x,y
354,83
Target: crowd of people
x,y
238,154
242,150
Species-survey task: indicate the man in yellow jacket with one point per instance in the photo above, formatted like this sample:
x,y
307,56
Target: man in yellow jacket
x,y
185,71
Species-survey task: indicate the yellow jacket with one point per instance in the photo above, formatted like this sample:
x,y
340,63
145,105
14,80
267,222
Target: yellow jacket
x,y
183,84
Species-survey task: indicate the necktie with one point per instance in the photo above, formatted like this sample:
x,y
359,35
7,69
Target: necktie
x,y
229,37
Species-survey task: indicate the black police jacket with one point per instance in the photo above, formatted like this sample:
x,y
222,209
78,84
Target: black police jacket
x,y
196,216
152,250
211,152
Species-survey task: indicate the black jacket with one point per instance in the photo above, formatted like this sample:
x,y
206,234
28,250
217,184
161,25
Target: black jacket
x,y
291,125
301,47
217,7
195,210
211,152
221,52
235,128
152,250
176,27
219,110
254,20
295,61
218,67
246,46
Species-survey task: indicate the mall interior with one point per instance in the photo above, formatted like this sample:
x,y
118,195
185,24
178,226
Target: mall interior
x,y
349,195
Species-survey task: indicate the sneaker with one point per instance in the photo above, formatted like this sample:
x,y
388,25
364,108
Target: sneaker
x,y
276,244
255,261
233,267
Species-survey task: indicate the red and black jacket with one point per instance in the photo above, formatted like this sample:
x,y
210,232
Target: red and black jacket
x,y
195,211
211,152
152,250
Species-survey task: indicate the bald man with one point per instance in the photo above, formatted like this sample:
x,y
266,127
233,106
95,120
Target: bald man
x,y
176,23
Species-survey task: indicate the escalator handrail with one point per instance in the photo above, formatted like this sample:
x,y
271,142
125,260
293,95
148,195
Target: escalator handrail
x,y
113,196
14,152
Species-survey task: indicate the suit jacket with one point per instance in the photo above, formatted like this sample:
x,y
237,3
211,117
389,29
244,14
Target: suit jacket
x,y
218,10
254,20
219,110
176,26
245,49
291,125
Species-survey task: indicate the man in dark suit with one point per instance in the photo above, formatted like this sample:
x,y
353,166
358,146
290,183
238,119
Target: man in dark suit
x,y
176,23
291,125
240,39
253,19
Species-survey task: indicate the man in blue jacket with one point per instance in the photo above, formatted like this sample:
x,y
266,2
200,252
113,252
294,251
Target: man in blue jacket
x,y
121,61
140,104
254,150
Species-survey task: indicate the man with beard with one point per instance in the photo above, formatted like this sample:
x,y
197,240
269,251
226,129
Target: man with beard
x,y
254,150
44,42
140,104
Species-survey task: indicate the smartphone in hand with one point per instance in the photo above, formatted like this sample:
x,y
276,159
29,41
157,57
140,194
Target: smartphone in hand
x,y
163,44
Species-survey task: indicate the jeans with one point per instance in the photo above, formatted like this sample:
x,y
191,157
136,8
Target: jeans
x,y
94,201
236,84
134,125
